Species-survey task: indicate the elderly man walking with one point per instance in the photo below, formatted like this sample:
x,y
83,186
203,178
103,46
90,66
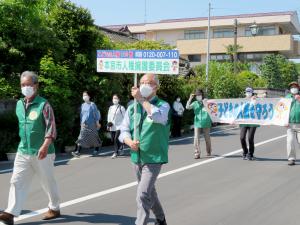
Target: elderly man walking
x,y
36,151
150,150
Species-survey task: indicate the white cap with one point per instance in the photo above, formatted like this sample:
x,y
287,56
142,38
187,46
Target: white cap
x,y
249,89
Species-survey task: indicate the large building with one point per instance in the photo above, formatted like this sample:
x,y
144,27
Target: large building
x,y
275,34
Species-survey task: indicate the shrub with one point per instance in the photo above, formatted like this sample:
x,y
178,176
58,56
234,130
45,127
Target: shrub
x,y
9,133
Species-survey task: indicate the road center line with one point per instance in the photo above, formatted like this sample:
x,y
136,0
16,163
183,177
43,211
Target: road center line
x,y
132,184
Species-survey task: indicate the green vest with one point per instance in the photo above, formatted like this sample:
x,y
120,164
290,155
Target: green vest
x,y
295,110
153,137
32,126
201,119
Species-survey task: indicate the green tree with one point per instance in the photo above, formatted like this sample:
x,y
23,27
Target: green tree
x,y
298,67
58,40
288,71
24,37
278,71
231,50
249,79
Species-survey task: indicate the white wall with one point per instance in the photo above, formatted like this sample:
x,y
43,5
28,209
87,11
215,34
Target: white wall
x,y
169,37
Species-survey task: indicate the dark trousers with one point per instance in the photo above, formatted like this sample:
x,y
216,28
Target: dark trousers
x,y
251,133
115,139
176,131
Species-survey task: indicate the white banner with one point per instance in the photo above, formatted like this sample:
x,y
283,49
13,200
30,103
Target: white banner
x,y
261,111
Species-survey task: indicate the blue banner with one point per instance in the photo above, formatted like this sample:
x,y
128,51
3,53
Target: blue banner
x,y
138,54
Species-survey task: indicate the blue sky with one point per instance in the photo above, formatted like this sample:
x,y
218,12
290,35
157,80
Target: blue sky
x,y
132,11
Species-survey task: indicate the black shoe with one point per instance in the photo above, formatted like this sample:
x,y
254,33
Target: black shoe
x,y
161,222
291,162
244,157
250,157
95,153
6,218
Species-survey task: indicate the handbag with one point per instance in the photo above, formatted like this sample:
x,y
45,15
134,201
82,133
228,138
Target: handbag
x,y
110,124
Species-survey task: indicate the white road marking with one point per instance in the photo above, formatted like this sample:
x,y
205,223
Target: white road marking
x,y
129,185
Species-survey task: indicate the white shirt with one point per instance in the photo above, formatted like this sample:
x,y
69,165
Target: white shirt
x,y
158,115
116,115
178,107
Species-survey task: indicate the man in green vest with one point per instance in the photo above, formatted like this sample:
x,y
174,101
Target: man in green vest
x,y
202,122
150,149
35,153
294,123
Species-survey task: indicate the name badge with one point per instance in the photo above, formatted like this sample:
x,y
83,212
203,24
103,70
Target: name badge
x,y
33,115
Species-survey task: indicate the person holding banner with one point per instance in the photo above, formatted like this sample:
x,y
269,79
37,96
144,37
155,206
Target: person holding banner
x,y
202,122
150,150
294,123
115,117
250,128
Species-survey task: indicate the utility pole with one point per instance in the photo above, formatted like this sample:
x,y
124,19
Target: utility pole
x,y
208,44
235,47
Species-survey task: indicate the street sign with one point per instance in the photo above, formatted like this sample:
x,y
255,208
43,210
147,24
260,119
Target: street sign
x,y
138,61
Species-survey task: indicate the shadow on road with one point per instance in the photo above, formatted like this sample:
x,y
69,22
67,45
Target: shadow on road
x,y
260,158
93,218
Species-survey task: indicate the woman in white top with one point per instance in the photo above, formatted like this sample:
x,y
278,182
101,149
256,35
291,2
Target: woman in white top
x,y
115,117
178,110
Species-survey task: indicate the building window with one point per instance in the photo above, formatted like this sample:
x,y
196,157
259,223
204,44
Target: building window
x,y
194,34
263,31
257,57
223,33
140,36
248,32
267,31
219,57
194,58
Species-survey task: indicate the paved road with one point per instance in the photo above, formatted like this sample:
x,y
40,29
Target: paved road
x,y
224,190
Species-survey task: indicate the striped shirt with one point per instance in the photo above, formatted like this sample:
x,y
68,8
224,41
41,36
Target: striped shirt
x,y
49,119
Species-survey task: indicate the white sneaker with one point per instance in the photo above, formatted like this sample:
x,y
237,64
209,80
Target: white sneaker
x,y
76,154
114,156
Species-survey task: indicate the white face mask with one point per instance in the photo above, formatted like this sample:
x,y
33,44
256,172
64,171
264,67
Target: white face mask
x,y
146,90
27,91
248,94
178,99
199,97
116,101
86,98
294,90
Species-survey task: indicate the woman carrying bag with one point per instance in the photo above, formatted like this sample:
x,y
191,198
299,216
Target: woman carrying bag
x,y
115,117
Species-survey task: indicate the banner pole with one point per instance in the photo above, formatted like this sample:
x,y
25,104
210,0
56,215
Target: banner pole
x,y
135,111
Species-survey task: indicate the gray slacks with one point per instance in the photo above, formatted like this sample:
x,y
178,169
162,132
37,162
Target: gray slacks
x,y
147,198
